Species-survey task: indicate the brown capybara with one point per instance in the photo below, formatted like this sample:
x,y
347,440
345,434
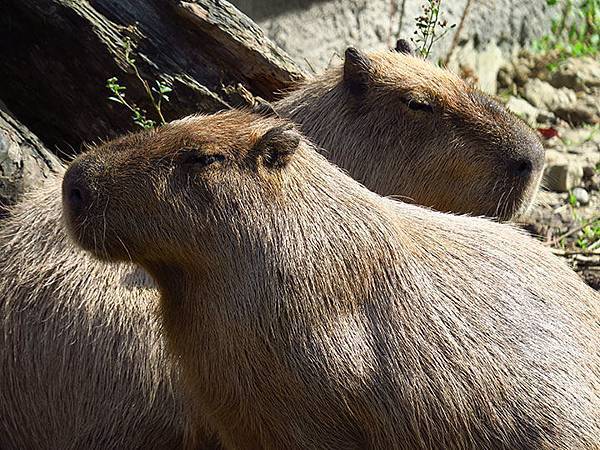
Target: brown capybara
x,y
95,370
310,313
458,149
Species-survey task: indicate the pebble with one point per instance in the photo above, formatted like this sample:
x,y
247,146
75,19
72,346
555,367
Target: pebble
x,y
581,195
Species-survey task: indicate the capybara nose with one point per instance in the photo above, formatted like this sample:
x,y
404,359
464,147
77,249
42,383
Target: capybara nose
x,y
76,192
521,168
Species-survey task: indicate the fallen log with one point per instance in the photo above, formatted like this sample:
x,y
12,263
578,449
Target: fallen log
x,y
56,56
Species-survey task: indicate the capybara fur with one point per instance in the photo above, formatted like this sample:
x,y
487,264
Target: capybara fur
x,y
404,127
310,313
82,361
82,358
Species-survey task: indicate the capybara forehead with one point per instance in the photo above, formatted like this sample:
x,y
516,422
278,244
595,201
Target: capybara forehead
x,y
231,132
410,74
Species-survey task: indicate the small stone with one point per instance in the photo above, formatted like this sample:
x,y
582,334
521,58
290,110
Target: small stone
x,y
581,195
523,109
589,172
586,110
544,96
562,177
577,73
546,117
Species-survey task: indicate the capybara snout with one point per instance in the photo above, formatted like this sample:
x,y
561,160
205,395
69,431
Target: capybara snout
x,y
79,189
77,195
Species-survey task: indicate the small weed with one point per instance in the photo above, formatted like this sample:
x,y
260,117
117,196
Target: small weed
x,y
156,94
431,27
572,200
589,238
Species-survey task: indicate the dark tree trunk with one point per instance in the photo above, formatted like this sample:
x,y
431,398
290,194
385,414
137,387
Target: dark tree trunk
x,y
56,55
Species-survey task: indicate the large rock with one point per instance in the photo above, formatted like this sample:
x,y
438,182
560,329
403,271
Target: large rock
x,y
565,170
315,31
484,63
24,161
526,110
586,110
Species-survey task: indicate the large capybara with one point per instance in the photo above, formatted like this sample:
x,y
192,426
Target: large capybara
x,y
310,313
82,363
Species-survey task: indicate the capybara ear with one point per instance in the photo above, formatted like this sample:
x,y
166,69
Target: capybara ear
x,y
403,46
277,146
263,108
357,70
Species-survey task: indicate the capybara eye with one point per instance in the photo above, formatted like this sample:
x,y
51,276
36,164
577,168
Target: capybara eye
x,y
418,105
202,160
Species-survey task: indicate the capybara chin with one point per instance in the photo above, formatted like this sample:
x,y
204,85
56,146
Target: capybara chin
x,y
404,127
310,313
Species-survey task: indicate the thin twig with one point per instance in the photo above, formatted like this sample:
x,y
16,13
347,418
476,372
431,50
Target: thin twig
x,y
459,29
144,82
561,252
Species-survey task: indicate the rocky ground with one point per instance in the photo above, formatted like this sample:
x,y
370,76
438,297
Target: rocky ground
x,y
562,101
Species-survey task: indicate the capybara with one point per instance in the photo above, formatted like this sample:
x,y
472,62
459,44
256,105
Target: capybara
x,y
404,127
71,314
310,313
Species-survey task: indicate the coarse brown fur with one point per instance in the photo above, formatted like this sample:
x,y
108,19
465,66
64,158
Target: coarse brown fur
x,y
308,312
457,151
95,371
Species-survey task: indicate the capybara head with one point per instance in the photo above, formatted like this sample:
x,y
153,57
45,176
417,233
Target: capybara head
x,y
406,128
188,175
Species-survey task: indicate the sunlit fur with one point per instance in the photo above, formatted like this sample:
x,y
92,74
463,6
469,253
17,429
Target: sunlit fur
x,y
67,315
310,313
454,158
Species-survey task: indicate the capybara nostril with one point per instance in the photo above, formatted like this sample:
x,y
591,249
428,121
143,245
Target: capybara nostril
x,y
75,198
521,168
76,193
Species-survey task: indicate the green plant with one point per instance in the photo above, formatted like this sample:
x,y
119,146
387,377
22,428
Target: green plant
x,y
575,32
156,94
572,199
590,236
431,27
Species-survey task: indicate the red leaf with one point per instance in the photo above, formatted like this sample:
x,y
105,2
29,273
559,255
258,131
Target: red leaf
x,y
548,133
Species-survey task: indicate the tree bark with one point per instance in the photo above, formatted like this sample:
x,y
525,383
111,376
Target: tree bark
x,y
24,161
56,56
